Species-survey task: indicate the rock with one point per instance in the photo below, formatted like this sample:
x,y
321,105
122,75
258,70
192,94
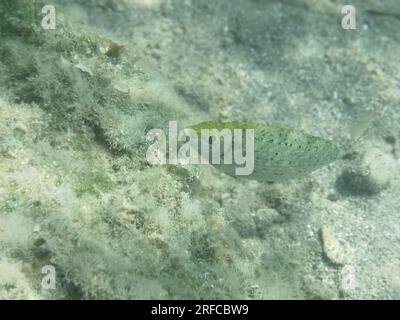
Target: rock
x,y
379,166
370,178
335,251
264,218
256,224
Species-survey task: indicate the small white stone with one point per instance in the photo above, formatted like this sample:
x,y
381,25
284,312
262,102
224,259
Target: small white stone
x,y
379,166
339,253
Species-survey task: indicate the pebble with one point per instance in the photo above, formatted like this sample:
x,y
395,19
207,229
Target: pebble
x,y
335,251
379,166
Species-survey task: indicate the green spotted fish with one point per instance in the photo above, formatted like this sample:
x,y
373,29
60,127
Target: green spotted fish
x,y
280,154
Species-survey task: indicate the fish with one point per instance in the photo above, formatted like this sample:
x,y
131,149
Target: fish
x,y
280,154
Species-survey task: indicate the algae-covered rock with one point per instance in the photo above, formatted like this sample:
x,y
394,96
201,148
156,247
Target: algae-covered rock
x,y
371,177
